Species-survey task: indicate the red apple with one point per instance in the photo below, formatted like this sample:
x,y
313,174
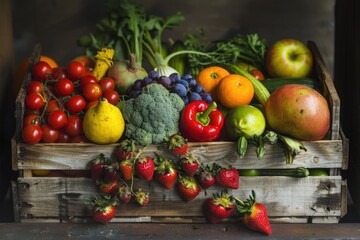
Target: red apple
x,y
289,58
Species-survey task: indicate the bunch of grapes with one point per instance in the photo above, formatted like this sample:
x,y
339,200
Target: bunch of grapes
x,y
185,86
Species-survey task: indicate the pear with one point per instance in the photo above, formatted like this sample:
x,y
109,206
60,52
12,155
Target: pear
x,y
103,123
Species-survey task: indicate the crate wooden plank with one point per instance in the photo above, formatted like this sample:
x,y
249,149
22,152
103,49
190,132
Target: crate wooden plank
x,y
283,196
319,154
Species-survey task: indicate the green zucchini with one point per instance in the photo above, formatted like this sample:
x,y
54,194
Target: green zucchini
x,y
273,83
298,172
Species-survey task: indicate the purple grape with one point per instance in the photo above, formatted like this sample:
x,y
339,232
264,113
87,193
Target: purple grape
x,y
179,89
194,96
146,81
186,76
153,74
174,77
186,100
185,83
165,81
192,82
137,84
134,93
198,89
207,98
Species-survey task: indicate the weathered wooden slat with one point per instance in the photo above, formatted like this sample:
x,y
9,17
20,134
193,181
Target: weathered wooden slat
x,y
283,196
319,154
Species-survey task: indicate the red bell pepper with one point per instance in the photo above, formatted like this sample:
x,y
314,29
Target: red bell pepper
x,y
201,122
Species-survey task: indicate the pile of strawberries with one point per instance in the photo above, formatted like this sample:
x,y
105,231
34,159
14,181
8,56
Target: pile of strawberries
x,y
115,181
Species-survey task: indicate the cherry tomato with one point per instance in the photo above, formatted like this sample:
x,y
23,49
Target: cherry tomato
x,y
31,134
64,87
35,87
58,73
76,104
34,101
79,139
31,119
73,127
257,74
92,91
50,134
90,104
112,96
52,105
107,83
41,71
88,78
75,70
63,136
57,119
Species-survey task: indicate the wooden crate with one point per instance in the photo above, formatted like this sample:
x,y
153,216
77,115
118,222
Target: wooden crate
x,y
61,197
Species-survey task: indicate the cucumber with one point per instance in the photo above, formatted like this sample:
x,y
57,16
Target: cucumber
x,y
298,172
274,83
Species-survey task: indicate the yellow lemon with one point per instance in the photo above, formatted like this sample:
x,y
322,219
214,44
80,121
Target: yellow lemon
x,y
103,123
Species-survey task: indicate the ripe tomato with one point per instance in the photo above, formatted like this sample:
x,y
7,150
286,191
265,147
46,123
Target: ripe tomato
x,y
75,70
73,127
31,119
63,136
31,134
79,139
92,91
90,104
107,83
112,96
57,119
52,105
41,71
64,87
257,74
76,104
50,134
35,87
34,101
88,78
58,73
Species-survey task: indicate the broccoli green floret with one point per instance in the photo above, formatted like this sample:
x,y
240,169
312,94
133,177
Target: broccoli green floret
x,y
153,115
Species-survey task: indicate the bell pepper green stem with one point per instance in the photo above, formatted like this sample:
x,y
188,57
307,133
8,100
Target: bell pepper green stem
x,y
203,117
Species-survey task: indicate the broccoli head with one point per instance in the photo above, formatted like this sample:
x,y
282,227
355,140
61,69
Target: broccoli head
x,y
153,115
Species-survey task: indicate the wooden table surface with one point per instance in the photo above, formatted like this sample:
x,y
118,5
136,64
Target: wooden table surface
x,y
224,231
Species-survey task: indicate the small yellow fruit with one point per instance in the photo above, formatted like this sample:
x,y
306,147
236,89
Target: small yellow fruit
x,y
103,123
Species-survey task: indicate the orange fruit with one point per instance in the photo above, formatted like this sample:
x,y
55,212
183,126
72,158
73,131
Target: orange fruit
x,y
235,90
49,60
210,77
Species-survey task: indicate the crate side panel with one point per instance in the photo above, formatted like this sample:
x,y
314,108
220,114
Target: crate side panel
x,y
283,196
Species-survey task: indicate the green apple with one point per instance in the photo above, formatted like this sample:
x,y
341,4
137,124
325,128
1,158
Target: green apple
x,y
289,58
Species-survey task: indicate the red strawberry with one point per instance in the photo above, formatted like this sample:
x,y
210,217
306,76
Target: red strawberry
x,y
127,169
188,188
112,172
141,197
103,209
124,194
97,167
178,144
254,214
126,150
228,178
110,188
165,172
206,179
145,168
189,164
218,207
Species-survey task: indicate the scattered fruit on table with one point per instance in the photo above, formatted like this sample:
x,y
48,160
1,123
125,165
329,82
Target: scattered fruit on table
x,y
103,208
227,177
188,188
219,207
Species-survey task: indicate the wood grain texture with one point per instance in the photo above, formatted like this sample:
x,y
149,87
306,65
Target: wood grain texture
x,y
63,198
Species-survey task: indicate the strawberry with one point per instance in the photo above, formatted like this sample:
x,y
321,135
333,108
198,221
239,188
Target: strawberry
x,y
177,144
228,178
112,172
103,209
218,207
165,173
124,194
254,214
127,169
189,164
110,188
142,197
145,168
97,167
206,177
126,150
188,188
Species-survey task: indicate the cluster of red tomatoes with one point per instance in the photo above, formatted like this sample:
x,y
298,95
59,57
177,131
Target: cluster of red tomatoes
x,y
56,100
